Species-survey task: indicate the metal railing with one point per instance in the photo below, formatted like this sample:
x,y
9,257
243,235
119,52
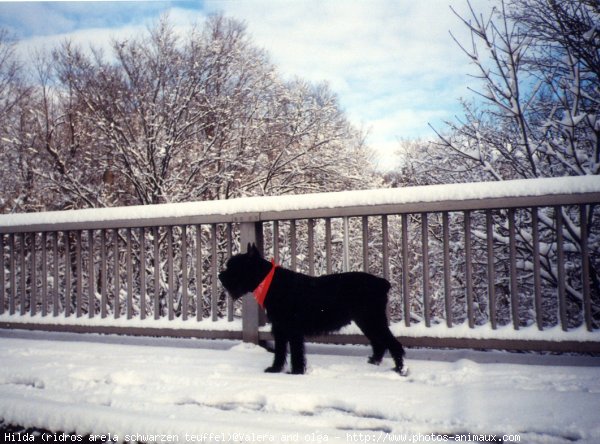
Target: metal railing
x,y
484,267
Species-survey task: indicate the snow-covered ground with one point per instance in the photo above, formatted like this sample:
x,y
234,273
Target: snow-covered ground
x,y
216,391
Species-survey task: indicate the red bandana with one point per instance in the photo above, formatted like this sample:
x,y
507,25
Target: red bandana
x,y
260,292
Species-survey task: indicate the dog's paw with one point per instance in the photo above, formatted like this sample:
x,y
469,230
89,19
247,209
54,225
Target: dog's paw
x,y
374,361
297,371
273,369
402,371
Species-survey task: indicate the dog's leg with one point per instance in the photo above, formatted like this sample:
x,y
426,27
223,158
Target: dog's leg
x,y
382,338
383,335
297,353
281,341
378,352
397,352
377,343
378,346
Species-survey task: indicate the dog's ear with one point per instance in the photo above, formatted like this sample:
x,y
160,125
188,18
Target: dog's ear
x,y
252,250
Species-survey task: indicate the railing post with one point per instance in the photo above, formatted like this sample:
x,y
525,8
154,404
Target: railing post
x,y
250,232
1,273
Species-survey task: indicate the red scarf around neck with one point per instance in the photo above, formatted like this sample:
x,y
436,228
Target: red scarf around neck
x,y
260,292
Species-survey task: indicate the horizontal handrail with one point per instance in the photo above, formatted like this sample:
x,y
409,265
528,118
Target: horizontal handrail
x,y
432,198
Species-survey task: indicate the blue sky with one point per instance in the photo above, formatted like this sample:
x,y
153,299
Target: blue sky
x,y
391,62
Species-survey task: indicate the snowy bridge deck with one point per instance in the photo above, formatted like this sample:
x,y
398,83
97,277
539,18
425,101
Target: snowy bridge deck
x,y
137,388
488,265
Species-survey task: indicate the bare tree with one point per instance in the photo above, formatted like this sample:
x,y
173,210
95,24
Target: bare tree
x,y
536,114
170,118
15,166
537,62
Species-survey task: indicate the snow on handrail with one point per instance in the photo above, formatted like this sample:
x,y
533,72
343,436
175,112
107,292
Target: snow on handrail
x,y
346,203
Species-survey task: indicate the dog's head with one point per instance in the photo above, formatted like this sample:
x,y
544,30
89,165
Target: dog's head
x,y
243,272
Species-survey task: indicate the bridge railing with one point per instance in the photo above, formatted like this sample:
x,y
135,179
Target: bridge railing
x,y
489,265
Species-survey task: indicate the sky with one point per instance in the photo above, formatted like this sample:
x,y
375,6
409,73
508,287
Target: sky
x,y
392,63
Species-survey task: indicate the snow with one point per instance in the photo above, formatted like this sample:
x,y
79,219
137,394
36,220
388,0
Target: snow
x,y
135,322
418,330
216,391
421,194
506,332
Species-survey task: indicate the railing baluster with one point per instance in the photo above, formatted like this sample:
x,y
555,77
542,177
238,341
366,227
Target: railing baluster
x,y
214,278
184,274
142,272
79,273
385,244
469,269
514,295
560,275
311,246
537,286
13,273
229,301
275,228
346,245
447,268
405,286
425,246
68,295
103,274
155,234
293,245
199,292
91,276
33,291
276,256
44,274
129,275
328,245
55,263
491,268
585,268
385,258
365,243
23,275
170,277
117,280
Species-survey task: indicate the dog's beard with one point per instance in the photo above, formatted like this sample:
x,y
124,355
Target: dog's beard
x,y
235,295
232,291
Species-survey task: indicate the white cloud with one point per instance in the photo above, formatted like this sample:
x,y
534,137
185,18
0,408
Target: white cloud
x,y
392,62
102,37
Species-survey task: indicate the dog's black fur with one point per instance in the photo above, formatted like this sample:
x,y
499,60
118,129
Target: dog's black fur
x,y
299,305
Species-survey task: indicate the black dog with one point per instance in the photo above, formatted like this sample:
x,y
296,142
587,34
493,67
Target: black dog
x,y
299,305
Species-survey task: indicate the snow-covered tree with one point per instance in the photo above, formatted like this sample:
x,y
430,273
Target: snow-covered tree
x,y
166,117
16,175
536,113
538,63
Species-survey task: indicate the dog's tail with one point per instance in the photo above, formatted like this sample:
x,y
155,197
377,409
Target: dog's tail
x,y
384,286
